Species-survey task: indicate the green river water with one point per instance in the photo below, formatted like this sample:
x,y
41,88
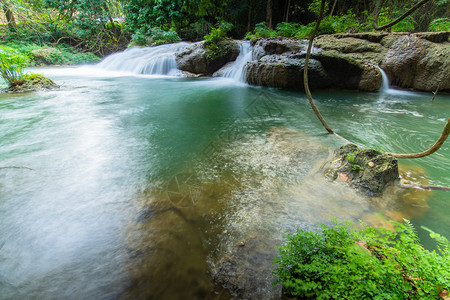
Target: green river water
x,y
134,187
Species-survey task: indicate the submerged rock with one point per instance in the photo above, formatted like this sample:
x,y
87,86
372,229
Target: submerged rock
x,y
366,170
32,83
247,271
197,59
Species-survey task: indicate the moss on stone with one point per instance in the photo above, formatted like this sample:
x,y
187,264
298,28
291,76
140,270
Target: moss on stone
x,y
33,82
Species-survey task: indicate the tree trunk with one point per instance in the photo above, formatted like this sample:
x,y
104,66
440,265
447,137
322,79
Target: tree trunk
x,y
269,10
9,16
249,20
287,11
334,6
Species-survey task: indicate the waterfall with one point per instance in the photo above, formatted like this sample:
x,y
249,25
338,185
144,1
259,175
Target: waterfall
x,y
236,70
385,85
159,60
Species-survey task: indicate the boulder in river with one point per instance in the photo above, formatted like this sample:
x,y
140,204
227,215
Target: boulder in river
x,y
246,273
366,170
324,71
198,59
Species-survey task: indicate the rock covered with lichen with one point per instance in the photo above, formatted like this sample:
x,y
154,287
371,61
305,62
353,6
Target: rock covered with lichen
x,y
366,170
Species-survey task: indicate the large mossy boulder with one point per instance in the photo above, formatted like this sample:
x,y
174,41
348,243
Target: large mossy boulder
x,y
366,170
414,62
325,71
419,61
198,59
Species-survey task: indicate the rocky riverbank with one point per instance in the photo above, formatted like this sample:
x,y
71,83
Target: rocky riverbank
x,y
419,61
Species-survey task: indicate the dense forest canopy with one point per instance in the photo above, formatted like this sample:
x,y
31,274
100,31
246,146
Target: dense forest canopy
x,y
104,26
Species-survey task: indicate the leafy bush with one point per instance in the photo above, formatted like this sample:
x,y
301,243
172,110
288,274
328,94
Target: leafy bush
x,y
261,31
11,65
441,24
153,36
215,37
288,29
340,262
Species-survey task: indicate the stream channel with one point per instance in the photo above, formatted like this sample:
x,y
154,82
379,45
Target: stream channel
x,y
124,185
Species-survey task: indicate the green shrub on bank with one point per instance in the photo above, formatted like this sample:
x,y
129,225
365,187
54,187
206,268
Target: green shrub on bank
x,y
153,36
215,37
65,55
441,24
341,262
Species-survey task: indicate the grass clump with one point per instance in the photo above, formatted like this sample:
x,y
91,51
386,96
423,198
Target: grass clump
x,y
341,262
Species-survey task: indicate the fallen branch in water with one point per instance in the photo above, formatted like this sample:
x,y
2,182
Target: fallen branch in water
x,y
425,187
432,149
435,92
14,167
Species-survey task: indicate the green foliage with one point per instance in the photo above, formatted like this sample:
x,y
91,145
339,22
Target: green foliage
x,y
261,31
153,36
441,24
67,55
341,262
288,29
11,65
215,37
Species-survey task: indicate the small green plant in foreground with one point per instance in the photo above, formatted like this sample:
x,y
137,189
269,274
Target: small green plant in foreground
x,y
11,65
341,262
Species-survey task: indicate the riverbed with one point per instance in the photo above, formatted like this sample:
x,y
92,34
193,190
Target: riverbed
x,y
124,186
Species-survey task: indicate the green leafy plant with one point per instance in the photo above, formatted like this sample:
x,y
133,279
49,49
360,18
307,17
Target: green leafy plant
x,y
342,262
11,65
153,36
215,37
261,31
441,24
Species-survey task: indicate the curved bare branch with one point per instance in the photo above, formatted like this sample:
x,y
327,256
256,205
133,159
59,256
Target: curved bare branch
x,y
432,149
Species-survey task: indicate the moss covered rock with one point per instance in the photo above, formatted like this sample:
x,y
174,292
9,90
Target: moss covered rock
x,y
33,82
366,170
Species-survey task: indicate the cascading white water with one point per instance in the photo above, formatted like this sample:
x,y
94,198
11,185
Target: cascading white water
x,y
159,60
385,85
386,89
236,70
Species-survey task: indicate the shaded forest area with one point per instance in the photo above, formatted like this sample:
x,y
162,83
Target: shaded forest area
x,y
106,26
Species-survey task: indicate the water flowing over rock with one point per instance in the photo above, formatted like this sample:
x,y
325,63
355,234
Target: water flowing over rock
x,y
235,70
419,61
159,60
280,63
324,71
197,59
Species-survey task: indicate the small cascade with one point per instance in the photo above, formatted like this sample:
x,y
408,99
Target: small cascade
x,y
159,60
236,70
386,89
385,85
